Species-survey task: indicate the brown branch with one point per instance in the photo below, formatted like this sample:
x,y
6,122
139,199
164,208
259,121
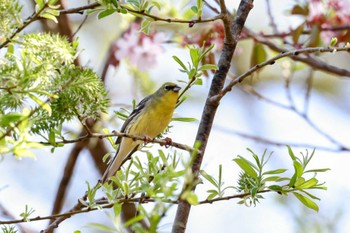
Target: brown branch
x,y
161,142
105,204
305,32
232,33
310,60
293,54
79,10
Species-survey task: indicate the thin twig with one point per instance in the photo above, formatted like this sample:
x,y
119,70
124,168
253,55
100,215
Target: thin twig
x,y
303,115
272,20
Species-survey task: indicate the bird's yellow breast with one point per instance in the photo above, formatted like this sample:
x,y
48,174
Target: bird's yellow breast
x,y
157,116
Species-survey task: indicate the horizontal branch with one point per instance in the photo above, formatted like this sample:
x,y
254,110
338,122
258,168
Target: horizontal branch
x,y
80,10
163,142
103,203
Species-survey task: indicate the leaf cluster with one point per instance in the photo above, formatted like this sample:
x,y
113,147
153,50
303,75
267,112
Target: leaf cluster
x,y
37,73
159,180
10,18
254,179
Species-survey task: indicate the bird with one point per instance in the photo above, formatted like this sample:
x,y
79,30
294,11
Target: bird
x,y
150,118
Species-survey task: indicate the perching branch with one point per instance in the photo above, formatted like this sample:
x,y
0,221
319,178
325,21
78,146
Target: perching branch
x,y
162,142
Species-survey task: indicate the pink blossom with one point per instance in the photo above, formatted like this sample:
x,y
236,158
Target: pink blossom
x,y
328,14
141,50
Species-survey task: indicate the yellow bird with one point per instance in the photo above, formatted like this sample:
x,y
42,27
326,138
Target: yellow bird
x,y
150,118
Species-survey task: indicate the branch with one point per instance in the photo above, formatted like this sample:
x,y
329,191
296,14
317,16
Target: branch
x,y
162,142
232,33
79,10
311,61
293,54
105,204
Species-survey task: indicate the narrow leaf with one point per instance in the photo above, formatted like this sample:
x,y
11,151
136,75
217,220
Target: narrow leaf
x,y
306,201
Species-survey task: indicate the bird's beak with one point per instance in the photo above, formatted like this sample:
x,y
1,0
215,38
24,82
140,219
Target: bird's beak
x,y
176,89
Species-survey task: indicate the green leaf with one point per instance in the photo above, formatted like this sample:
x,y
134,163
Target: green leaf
x,y
291,154
333,41
306,201
180,63
318,170
213,194
271,178
308,184
194,9
184,119
41,103
258,55
209,178
194,53
7,119
246,167
299,10
192,198
276,188
145,26
277,171
298,168
100,227
297,32
105,13
208,67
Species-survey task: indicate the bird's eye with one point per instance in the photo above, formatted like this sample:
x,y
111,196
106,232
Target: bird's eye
x,y
168,88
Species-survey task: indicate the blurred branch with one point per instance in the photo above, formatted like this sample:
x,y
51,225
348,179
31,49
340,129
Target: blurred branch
x,y
303,115
311,61
305,32
293,54
272,20
264,140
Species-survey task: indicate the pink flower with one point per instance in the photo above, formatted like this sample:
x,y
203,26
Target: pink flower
x,y
328,14
141,50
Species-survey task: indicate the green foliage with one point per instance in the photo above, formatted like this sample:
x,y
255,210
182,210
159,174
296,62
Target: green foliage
x,y
8,229
41,89
10,18
27,212
220,189
47,9
159,179
254,179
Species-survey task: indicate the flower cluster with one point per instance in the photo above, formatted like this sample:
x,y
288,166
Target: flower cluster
x,y
141,50
330,14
